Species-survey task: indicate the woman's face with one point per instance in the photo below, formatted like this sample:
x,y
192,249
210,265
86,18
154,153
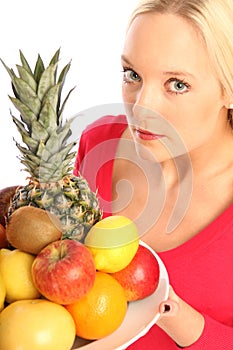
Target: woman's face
x,y
174,102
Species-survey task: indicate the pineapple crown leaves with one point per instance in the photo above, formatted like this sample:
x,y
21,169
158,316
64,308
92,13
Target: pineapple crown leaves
x,y
38,99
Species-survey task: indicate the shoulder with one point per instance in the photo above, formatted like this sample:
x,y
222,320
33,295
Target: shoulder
x,y
105,128
102,135
106,124
97,148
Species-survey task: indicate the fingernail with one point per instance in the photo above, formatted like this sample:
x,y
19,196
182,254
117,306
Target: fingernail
x,y
167,308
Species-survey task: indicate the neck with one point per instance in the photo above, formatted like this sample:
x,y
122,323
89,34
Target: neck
x,y
215,157
211,159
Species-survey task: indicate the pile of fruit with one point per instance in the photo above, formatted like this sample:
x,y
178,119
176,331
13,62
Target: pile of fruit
x,y
64,271
69,288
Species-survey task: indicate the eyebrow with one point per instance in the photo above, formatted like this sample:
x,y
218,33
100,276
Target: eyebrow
x,y
178,73
170,72
126,60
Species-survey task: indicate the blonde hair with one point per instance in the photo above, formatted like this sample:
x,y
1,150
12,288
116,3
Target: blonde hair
x,y
214,20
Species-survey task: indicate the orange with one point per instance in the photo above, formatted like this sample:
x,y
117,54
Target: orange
x,y
35,325
102,310
3,240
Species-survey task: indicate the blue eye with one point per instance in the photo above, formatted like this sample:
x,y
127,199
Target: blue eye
x,y
130,75
177,86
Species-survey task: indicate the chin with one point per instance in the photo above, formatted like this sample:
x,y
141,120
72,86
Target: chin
x,y
152,151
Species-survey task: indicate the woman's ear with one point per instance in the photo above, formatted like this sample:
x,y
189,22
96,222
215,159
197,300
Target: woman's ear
x,y
227,100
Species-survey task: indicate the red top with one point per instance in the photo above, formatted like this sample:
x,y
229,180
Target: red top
x,y
200,270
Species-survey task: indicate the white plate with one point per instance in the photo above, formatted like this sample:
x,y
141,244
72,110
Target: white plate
x,y
140,317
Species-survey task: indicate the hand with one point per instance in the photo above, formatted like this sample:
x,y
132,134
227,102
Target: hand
x,y
179,320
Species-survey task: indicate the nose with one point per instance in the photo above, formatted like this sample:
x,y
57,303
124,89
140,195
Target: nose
x,y
147,95
148,102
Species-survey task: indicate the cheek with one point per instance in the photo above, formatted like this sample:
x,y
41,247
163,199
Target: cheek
x,y
199,126
199,110
129,94
128,99
196,121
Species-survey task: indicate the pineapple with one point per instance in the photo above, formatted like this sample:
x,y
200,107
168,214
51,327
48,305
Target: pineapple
x,y
45,153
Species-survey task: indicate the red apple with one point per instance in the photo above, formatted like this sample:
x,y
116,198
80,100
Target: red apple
x,y
64,271
140,277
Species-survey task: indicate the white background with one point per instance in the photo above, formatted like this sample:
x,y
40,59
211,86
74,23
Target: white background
x,y
90,34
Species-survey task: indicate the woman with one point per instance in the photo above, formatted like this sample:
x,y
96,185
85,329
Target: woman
x,y
175,151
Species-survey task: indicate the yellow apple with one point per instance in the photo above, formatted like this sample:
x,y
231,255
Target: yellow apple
x,y
2,293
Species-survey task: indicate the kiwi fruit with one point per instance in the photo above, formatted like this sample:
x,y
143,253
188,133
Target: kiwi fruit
x,y
30,229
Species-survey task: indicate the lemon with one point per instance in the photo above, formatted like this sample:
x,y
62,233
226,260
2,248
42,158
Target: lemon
x,y
113,242
15,268
2,293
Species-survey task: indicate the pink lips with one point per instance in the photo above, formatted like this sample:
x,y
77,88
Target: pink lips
x,y
147,135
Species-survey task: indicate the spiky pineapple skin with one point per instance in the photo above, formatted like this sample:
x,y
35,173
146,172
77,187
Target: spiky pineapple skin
x,y
70,199
46,155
